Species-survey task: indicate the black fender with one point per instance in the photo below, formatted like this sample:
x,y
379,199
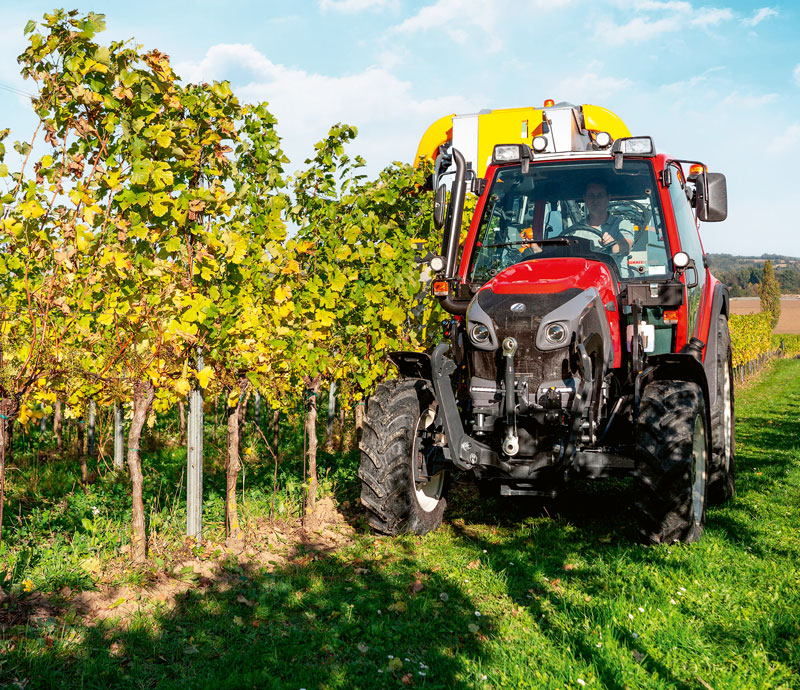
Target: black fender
x,y
437,368
677,367
462,450
412,365
720,304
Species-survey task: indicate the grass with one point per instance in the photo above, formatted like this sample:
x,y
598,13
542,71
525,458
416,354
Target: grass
x,y
500,597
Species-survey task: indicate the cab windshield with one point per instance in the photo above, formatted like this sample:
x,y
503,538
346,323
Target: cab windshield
x,y
585,209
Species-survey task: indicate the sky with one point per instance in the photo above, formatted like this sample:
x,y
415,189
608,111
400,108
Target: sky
x,y
717,82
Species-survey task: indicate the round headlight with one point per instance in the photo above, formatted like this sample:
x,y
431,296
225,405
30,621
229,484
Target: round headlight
x,y
680,260
436,263
603,140
555,333
539,143
479,334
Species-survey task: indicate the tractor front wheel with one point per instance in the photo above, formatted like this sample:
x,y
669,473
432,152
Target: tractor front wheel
x,y
398,450
672,462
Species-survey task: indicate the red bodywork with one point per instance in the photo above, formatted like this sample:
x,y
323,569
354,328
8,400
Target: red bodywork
x,y
549,270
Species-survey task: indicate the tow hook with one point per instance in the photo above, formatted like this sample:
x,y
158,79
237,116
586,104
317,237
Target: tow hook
x,y
510,441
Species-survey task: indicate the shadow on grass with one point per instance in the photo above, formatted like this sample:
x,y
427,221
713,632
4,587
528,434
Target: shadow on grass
x,y
590,523
321,622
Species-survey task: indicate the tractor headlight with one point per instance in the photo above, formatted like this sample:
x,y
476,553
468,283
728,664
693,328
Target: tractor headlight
x,y
555,333
539,143
479,334
603,140
436,263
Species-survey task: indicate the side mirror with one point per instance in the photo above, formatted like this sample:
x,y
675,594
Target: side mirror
x,y
440,206
712,197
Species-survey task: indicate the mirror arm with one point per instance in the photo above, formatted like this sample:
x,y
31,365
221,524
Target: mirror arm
x,y
690,266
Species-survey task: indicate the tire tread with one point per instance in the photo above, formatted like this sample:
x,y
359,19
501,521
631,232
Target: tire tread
x,y
387,493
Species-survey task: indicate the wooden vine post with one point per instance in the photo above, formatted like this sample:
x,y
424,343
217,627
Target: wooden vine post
x,y
330,446
119,437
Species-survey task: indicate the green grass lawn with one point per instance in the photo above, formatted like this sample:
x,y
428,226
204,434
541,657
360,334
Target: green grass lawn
x,y
502,596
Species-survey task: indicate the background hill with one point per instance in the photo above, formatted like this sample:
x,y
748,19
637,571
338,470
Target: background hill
x,y
743,273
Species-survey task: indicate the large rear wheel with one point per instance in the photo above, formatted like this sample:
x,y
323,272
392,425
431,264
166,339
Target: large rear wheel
x,y
398,455
723,456
672,462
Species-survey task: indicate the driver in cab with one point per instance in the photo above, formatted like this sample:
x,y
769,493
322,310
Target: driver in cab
x,y
613,233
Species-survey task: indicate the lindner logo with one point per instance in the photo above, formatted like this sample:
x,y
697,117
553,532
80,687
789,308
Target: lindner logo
x,y
518,307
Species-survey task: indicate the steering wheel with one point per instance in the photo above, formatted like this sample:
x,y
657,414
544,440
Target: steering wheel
x,y
584,230
588,232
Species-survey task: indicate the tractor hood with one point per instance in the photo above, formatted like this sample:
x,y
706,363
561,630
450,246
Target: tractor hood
x,y
551,275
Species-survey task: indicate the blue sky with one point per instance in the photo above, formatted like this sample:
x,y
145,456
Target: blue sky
x,y
719,82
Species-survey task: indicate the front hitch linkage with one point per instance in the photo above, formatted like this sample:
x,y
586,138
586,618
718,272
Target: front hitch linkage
x,y
510,441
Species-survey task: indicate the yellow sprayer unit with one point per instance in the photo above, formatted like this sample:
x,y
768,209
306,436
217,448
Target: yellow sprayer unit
x,y
571,127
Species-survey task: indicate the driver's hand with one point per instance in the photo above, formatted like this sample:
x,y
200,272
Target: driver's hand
x,y
607,240
527,234
535,248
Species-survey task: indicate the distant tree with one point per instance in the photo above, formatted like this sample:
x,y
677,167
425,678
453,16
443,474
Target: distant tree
x,y
789,279
770,293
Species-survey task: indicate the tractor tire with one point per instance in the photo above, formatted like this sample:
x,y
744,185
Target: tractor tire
x,y
723,444
671,463
397,430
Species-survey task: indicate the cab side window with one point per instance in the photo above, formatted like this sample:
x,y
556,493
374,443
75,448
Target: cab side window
x,y
690,243
684,217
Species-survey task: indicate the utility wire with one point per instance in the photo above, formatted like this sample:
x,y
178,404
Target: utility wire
x,y
16,91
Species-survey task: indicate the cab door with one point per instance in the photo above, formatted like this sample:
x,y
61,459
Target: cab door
x,y
690,243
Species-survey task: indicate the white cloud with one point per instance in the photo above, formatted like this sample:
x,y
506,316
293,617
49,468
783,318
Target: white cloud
x,y
657,18
389,59
352,5
454,16
786,140
655,5
684,87
390,117
592,88
460,20
759,16
796,75
682,93
740,100
711,16
637,30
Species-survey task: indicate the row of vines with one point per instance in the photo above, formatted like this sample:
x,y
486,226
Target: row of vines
x,y
150,225
753,342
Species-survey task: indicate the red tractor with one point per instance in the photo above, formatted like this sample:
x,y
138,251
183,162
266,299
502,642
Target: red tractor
x,y
588,337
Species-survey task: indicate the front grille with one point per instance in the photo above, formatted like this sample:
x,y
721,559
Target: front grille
x,y
529,360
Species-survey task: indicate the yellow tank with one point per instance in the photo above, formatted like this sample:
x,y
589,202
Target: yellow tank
x,y
476,135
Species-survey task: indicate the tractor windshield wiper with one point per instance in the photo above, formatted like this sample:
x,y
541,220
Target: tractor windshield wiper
x,y
553,240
